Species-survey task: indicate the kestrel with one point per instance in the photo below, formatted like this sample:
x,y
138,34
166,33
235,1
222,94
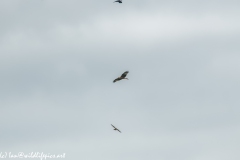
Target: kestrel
x,y
119,1
116,129
121,77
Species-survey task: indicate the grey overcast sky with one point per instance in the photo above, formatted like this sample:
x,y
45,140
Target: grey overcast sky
x,y
58,59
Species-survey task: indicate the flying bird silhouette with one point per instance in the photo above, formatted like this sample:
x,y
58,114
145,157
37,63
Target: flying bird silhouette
x,y
121,77
116,129
119,1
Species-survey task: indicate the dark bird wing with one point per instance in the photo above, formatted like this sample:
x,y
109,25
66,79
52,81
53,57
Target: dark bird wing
x,y
117,79
119,131
124,74
113,126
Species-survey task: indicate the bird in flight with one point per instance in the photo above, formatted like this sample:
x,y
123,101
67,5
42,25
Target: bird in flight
x,y
119,1
116,129
123,76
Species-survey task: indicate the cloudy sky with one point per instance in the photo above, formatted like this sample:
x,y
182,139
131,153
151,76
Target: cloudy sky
x,y
58,59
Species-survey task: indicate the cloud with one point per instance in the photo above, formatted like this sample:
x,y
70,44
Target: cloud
x,y
59,58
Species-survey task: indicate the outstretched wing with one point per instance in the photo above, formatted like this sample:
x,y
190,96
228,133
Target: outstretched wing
x,y
119,1
119,131
124,74
117,79
113,126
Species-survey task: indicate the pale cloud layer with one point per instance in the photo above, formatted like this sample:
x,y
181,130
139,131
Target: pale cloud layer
x,y
58,59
